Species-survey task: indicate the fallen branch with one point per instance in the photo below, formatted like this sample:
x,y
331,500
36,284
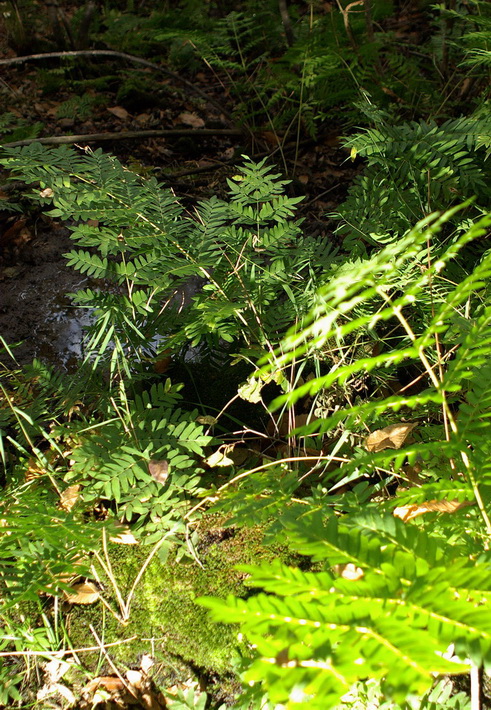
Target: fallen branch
x,y
121,55
123,135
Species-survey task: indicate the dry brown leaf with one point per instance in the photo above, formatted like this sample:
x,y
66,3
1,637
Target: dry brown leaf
x,y
119,112
159,470
69,497
191,119
390,437
413,510
83,593
143,118
136,691
47,192
109,683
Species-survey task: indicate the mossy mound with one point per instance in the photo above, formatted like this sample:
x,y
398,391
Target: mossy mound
x,y
164,618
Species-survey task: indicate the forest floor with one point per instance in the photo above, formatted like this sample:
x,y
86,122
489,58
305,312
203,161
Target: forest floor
x,y
35,281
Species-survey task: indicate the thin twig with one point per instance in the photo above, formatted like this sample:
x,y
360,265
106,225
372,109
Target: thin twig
x,y
475,675
123,135
121,55
244,474
110,661
68,652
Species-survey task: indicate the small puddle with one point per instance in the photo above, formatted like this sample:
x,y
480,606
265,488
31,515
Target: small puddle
x,y
59,338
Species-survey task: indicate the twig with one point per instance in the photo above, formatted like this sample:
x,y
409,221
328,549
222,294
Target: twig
x,y
244,474
475,687
81,137
109,660
121,55
68,652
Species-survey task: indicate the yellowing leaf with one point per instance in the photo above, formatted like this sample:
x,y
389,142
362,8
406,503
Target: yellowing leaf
x,y
206,419
84,593
251,390
390,437
353,153
219,458
413,510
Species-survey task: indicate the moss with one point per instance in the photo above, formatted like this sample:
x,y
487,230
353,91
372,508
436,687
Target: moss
x,y
164,617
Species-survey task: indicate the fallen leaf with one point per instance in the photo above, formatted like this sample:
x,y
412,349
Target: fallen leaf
x,y
125,537
56,689
239,455
69,497
134,678
146,662
390,437
56,669
119,112
143,118
190,119
413,510
349,571
83,593
159,470
47,192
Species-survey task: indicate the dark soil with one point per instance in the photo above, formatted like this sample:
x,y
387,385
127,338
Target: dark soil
x,y
35,309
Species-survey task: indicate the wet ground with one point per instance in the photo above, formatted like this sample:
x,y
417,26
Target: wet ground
x,y
35,309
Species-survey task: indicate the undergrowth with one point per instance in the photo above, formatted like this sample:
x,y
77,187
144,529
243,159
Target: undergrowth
x,y
387,595
364,447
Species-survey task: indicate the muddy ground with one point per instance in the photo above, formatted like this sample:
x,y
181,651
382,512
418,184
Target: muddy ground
x,y
35,310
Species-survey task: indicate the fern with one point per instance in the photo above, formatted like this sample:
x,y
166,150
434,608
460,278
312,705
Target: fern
x,y
241,252
385,598
417,168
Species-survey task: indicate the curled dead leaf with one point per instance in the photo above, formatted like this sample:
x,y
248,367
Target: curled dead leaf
x,y
390,437
413,510
47,192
